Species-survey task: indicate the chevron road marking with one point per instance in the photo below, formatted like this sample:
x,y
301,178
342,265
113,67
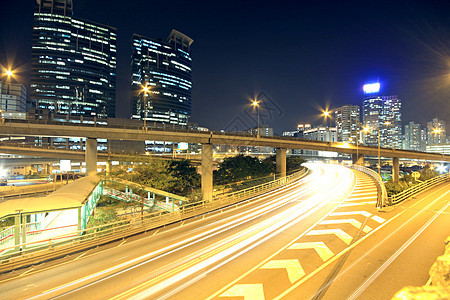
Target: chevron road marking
x,y
353,222
248,291
293,268
324,252
337,232
364,213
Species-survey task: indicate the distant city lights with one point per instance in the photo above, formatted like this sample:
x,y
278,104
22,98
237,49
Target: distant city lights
x,y
371,88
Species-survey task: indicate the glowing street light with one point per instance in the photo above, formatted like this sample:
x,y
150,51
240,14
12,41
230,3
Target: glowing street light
x,y
145,90
326,114
256,104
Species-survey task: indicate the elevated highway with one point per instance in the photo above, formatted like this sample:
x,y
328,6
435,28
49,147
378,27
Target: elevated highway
x,y
207,139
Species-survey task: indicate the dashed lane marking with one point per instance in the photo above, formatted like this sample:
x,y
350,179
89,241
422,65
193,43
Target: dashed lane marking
x,y
293,268
324,252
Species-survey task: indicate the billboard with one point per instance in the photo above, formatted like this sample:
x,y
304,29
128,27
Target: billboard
x,y
183,146
371,88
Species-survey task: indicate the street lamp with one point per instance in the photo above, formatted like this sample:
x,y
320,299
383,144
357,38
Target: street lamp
x,y
326,115
256,104
366,130
145,90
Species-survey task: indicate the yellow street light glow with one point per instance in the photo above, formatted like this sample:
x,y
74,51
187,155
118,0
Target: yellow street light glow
x,y
9,73
326,113
437,131
255,103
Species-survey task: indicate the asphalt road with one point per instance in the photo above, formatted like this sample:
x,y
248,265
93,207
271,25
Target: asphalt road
x,y
320,237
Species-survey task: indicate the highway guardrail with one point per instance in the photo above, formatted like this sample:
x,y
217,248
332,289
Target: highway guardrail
x,y
397,198
381,189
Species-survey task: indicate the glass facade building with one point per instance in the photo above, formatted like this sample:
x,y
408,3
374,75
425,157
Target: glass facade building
x,y
73,68
382,116
161,79
347,123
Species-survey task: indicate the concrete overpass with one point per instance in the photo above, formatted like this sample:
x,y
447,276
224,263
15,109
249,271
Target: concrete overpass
x,y
207,139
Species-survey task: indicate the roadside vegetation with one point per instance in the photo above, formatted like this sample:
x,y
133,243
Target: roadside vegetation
x,y
408,181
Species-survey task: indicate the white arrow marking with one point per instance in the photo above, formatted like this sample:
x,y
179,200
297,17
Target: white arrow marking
x,y
354,222
337,232
293,268
248,291
364,213
324,252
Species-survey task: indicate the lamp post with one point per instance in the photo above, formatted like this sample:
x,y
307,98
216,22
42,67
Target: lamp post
x,y
145,90
256,104
326,115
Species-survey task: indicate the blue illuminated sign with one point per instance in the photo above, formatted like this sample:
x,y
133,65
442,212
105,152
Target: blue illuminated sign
x,y
371,88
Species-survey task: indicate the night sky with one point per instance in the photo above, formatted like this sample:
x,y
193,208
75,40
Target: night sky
x,y
303,55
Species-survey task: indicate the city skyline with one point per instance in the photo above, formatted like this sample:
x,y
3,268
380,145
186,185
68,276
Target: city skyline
x,y
302,59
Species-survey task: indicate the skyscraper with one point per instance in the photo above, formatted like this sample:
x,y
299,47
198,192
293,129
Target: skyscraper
x,y
382,119
347,123
73,68
436,132
161,79
413,137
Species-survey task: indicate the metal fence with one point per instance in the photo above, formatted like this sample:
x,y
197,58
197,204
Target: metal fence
x,y
397,198
82,239
381,189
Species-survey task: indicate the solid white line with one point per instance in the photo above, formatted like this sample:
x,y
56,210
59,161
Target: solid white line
x,y
380,270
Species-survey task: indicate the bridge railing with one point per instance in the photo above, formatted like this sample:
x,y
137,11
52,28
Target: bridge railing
x,y
397,198
381,189
82,239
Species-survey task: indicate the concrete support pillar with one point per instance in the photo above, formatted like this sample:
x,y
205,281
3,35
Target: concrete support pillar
x,y
49,168
207,171
395,169
281,162
358,159
108,167
91,157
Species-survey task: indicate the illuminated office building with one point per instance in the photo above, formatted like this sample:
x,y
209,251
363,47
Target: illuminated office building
x,y
73,68
161,79
347,123
381,118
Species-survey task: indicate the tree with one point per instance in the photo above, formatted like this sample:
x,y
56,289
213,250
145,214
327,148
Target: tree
x,y
187,177
240,167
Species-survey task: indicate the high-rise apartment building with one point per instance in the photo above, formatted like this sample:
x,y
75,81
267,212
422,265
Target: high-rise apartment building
x,y
347,120
413,137
382,120
73,68
436,132
161,79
